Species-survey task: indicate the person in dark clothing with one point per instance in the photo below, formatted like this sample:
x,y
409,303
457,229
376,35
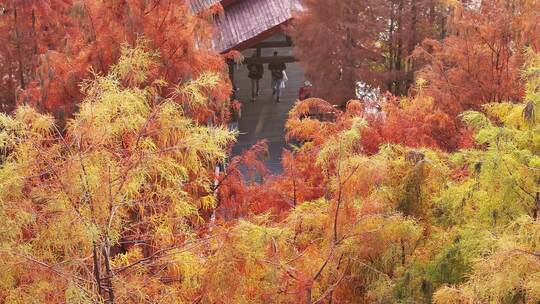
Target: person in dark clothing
x,y
256,72
277,69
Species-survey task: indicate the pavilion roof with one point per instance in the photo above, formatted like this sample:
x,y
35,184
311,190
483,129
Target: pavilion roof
x,y
198,5
249,21
246,22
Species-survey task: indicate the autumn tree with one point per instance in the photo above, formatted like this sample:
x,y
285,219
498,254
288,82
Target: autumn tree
x,y
344,42
471,58
339,228
501,200
105,211
483,214
395,205
60,43
329,232
414,121
481,58
30,28
424,225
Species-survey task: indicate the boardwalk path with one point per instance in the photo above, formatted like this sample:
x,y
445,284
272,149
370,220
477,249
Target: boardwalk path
x,y
265,119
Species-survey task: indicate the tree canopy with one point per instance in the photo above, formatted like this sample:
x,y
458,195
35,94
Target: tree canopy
x,y
116,121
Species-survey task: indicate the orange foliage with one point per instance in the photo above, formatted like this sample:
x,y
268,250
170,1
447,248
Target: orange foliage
x,y
481,59
233,187
415,123
98,29
367,41
29,28
312,121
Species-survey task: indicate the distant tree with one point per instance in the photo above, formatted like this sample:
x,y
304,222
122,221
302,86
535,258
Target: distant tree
x,y
343,42
82,37
29,28
481,58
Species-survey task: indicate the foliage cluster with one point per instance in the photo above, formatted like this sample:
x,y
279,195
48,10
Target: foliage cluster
x,y
434,199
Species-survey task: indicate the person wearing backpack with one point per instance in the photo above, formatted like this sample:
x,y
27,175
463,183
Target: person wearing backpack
x,y
277,69
256,72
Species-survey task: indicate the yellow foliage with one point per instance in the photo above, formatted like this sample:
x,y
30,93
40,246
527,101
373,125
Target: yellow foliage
x,y
131,169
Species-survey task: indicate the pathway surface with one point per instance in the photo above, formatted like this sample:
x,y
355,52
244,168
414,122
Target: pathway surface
x,y
265,118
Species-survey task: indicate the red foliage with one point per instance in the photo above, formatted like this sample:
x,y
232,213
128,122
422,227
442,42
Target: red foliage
x,y
95,31
29,28
233,188
481,59
342,42
414,123
478,62
300,181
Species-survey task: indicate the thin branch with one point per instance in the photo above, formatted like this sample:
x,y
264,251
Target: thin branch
x,y
330,255
331,288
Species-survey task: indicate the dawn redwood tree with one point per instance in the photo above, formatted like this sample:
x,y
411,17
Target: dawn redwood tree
x,y
29,28
236,186
481,58
475,212
480,61
106,211
93,40
343,42
414,121
124,205
496,207
330,233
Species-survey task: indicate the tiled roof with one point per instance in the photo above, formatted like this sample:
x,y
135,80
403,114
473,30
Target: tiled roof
x,y
198,5
248,19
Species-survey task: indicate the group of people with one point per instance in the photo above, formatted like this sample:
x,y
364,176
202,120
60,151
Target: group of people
x,y
279,77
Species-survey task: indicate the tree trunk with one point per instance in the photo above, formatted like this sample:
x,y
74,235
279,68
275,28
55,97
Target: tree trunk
x,y
19,51
97,275
536,212
402,253
412,43
399,51
308,296
391,50
443,27
106,255
34,33
230,64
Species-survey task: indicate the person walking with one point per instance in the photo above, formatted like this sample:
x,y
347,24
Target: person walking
x,y
277,69
256,72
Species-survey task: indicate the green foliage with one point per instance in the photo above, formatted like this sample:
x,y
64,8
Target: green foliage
x,y
120,206
500,202
130,166
480,208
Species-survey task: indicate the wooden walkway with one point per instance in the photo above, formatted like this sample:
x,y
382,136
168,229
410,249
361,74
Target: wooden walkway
x,y
265,118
